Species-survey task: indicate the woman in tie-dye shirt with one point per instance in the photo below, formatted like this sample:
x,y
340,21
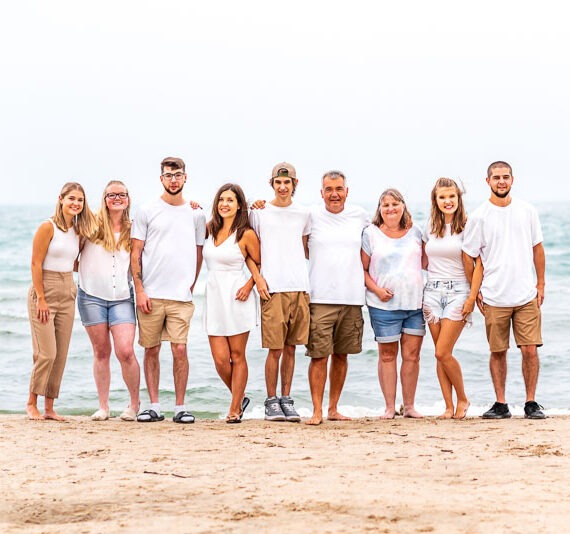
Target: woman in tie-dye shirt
x,y
392,259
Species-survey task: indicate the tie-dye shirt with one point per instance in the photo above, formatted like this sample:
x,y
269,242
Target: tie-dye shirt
x,y
395,263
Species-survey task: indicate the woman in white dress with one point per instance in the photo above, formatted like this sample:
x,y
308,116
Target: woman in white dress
x,y
230,306
105,299
449,294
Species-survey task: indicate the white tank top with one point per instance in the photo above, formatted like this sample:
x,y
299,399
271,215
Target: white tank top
x,y
62,250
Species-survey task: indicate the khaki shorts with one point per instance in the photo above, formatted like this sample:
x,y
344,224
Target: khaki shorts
x,y
285,320
526,321
169,320
335,329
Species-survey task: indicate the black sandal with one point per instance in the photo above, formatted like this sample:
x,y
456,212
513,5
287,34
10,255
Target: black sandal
x,y
149,416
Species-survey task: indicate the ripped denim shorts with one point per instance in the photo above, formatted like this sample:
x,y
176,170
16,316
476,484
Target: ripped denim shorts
x,y
444,299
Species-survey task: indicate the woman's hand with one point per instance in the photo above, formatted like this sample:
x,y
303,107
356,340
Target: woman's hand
x,y
42,310
468,307
243,292
384,294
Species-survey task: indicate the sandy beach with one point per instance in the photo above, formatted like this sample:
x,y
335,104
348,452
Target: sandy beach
x,y
363,475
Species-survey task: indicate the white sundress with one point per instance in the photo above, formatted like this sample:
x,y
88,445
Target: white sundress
x,y
224,314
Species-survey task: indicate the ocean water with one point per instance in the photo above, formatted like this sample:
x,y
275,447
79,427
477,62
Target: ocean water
x,y
207,397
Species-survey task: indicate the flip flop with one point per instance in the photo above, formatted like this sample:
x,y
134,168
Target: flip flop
x,y
244,404
149,416
184,418
233,420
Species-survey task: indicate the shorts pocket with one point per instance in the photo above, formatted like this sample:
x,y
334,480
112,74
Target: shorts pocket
x,y
358,331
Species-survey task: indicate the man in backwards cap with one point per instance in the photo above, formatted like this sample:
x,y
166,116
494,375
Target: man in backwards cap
x,y
283,227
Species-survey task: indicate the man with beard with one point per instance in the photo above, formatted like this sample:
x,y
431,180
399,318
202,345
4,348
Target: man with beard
x,y
166,257
506,233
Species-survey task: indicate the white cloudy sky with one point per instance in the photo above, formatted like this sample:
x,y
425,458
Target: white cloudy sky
x,y
393,93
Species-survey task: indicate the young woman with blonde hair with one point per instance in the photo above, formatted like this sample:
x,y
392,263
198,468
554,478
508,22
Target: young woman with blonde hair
x,y
105,299
51,298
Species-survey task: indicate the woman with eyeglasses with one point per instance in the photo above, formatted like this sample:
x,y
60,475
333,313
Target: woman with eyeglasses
x,y
105,299
51,298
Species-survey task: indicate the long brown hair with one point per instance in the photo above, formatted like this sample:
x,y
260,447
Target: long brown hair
x,y
437,218
405,221
84,222
241,221
105,235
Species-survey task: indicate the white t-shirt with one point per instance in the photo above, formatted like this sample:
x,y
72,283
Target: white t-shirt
x,y
104,274
336,275
171,234
62,250
395,263
444,255
280,231
504,237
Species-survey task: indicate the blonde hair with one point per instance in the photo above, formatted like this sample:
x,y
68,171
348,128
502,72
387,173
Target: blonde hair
x,y
104,235
405,221
84,222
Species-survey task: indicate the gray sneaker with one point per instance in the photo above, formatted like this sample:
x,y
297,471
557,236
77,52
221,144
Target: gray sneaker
x,y
273,411
291,414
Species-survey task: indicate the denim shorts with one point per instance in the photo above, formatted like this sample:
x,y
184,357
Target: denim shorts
x,y
94,310
444,299
389,325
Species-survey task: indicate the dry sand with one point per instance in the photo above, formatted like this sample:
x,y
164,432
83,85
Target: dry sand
x,y
362,475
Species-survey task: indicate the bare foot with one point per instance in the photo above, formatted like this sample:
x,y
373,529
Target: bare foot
x,y
33,412
317,419
461,410
448,414
413,413
389,414
337,416
54,416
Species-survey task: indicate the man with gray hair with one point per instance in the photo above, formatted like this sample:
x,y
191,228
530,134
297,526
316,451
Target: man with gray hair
x,y
337,293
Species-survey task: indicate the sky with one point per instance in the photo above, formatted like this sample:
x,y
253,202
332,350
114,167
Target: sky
x,y
394,94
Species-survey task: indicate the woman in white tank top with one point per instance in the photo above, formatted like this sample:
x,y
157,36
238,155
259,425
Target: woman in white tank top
x,y
450,291
230,306
105,299
51,298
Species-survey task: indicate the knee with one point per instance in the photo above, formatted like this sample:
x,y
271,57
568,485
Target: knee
x,y
499,356
529,351
102,354
125,354
388,356
411,357
340,358
179,352
441,356
274,354
237,356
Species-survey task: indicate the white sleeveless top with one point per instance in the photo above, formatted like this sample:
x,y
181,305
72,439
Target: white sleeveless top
x,y
104,274
224,315
62,250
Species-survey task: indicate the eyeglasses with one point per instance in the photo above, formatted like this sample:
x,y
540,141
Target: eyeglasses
x,y
169,176
113,196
